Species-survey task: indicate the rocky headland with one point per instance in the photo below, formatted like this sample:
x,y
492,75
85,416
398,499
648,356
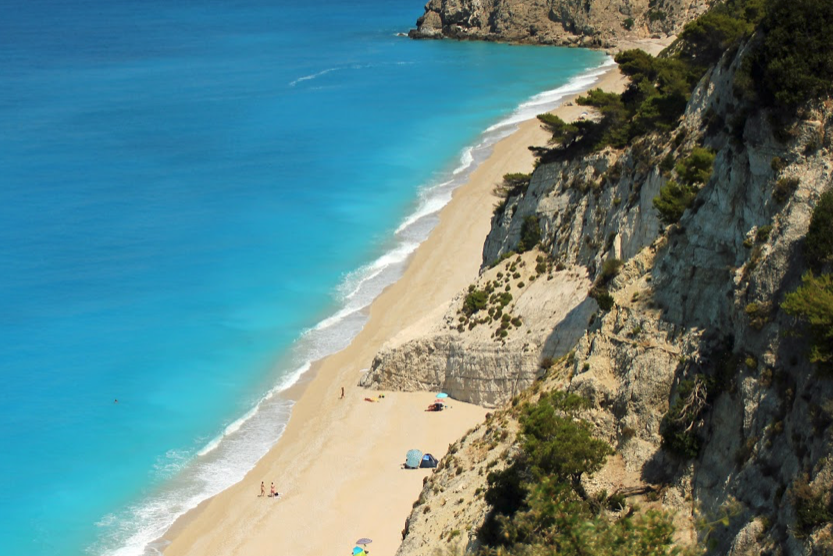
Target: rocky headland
x,y
589,23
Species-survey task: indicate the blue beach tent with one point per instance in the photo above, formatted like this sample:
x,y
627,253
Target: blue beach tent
x,y
428,461
412,459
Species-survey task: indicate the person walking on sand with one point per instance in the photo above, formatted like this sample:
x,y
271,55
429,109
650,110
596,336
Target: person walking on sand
x,y
262,488
272,492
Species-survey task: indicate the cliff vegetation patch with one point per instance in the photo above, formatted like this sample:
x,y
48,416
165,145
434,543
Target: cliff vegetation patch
x,y
674,198
812,302
538,503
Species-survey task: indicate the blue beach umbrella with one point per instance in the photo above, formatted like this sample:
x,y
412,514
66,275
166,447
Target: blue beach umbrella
x,y
442,395
357,550
412,459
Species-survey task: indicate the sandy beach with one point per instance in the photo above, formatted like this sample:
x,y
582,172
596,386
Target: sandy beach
x,y
337,466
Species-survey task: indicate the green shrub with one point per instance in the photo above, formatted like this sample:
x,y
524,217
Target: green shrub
x,y
538,503
812,303
810,509
562,132
763,233
794,62
818,245
721,28
514,184
530,234
758,314
475,301
673,200
679,427
667,163
603,299
784,188
560,446
697,167
610,269
628,23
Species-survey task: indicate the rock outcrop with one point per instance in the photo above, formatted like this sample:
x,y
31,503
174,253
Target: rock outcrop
x,y
696,303
542,313
565,22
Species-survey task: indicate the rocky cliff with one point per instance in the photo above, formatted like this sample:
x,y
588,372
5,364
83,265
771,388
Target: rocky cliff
x,y
565,22
695,324
489,357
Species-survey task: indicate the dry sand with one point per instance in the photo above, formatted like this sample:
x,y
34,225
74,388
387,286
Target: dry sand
x,y
338,463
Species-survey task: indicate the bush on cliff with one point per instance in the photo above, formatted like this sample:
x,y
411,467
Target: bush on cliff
x,y
722,28
673,200
655,99
561,131
538,505
475,301
696,168
794,61
812,303
513,185
530,234
660,87
818,245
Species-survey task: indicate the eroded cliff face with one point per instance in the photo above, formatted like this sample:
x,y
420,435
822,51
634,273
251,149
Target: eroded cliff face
x,y
490,356
696,303
566,22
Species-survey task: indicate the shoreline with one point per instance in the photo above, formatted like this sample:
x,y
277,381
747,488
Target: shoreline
x,y
337,462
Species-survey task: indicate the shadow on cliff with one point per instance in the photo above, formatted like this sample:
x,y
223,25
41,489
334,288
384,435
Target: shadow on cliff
x,y
570,330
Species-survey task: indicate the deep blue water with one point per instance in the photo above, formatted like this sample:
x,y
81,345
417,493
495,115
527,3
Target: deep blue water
x,y
195,200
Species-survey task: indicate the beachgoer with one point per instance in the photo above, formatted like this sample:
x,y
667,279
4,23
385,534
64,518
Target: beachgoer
x,y
116,400
272,492
262,488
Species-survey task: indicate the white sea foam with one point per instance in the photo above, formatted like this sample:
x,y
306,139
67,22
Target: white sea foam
x,y
312,76
466,160
226,458
242,444
354,285
549,100
324,72
428,205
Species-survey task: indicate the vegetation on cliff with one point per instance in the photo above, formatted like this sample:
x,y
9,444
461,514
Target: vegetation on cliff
x,y
790,62
812,302
660,86
539,505
793,62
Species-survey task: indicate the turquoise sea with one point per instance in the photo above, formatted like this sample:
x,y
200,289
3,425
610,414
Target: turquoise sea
x,y
197,199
